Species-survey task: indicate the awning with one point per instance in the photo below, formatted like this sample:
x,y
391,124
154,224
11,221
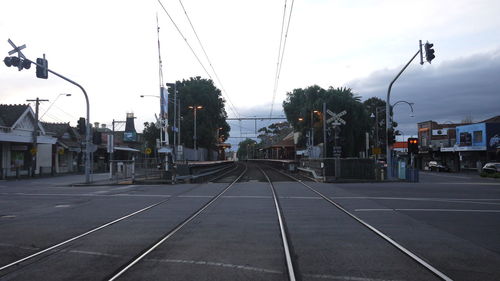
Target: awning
x,y
126,149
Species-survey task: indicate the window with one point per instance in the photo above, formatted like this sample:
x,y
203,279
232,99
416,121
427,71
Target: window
x,y
478,137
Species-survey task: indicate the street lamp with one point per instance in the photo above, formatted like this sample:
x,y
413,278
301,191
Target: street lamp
x,y
195,108
50,106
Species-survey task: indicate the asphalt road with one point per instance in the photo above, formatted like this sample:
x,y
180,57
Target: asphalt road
x,y
450,221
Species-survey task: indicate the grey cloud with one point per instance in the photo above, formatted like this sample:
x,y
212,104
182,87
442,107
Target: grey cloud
x,y
448,92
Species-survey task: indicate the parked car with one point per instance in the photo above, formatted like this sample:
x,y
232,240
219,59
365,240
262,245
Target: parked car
x,y
491,168
438,167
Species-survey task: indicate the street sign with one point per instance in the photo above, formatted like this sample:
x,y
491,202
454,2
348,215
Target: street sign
x,y
148,151
376,150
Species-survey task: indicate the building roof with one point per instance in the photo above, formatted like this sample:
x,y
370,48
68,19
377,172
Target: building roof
x,y
10,113
495,119
58,129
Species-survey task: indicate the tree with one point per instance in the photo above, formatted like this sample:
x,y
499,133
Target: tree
x,y
273,133
245,149
201,92
301,102
150,133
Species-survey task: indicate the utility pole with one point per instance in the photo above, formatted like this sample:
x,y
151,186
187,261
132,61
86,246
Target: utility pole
x,y
35,135
324,130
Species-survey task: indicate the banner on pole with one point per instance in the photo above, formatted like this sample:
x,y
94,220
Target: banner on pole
x,y
163,103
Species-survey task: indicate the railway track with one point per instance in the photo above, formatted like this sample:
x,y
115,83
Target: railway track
x,y
418,260
30,259
238,174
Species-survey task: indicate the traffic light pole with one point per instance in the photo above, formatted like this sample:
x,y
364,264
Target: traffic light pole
x,y
87,126
87,131
388,124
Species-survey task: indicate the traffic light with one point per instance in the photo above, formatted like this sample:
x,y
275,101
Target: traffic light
x,y
391,137
429,52
413,145
97,138
42,68
20,63
81,126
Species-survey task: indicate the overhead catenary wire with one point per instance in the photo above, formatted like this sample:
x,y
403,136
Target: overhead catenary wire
x,y
185,40
278,60
281,54
232,107
194,53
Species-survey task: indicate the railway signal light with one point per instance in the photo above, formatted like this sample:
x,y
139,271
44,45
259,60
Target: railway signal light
x,y
412,145
429,52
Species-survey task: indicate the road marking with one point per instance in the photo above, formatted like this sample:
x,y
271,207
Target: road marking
x,y
62,206
7,216
430,210
446,176
469,183
349,278
219,264
448,200
302,197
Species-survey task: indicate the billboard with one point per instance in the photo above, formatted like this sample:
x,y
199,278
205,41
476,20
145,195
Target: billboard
x,y
472,135
129,136
493,136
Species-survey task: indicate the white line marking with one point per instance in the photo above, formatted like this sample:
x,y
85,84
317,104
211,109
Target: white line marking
x,y
171,233
62,206
80,236
7,217
429,210
449,200
219,264
347,278
368,210
469,183
446,176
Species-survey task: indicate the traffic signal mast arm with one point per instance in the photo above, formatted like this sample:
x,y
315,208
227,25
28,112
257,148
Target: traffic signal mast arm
x,y
87,127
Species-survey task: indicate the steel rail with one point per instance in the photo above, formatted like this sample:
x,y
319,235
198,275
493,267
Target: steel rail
x,y
175,230
82,235
407,252
90,231
286,248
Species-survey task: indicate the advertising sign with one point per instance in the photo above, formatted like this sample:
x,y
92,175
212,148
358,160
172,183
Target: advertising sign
x,y
129,136
473,135
163,103
493,136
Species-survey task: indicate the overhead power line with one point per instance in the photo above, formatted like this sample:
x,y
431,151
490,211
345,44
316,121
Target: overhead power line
x,y
185,40
232,107
281,53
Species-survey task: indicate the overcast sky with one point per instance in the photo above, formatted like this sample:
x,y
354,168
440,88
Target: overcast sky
x,y
110,48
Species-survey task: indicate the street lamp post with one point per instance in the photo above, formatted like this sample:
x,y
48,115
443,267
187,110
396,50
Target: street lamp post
x,y
382,108
195,108
50,106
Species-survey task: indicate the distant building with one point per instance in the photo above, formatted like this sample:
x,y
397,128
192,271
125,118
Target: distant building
x,y
459,146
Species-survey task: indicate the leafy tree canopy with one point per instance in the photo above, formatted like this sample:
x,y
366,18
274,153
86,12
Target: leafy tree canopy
x,y
299,107
244,148
210,120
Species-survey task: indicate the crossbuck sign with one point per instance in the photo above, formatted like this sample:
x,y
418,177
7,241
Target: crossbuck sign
x,y
336,118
